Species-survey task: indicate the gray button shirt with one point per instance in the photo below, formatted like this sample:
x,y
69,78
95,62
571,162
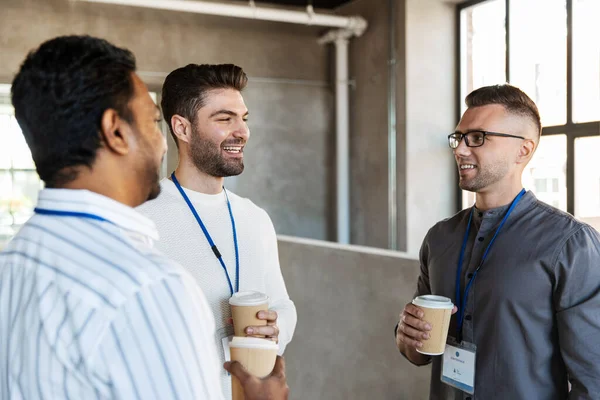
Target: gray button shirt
x,y
533,309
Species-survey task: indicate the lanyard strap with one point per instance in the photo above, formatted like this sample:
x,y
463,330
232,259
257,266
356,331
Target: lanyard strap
x,y
463,305
57,213
212,244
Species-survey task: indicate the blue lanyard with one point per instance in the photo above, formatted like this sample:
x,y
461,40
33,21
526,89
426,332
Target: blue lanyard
x,y
57,213
463,305
212,244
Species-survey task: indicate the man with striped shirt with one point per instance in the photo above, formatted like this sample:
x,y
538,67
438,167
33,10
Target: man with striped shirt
x,y
88,308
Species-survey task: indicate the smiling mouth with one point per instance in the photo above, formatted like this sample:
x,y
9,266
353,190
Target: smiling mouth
x,y
233,149
464,167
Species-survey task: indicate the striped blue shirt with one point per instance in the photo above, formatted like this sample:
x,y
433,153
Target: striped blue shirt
x,y
90,310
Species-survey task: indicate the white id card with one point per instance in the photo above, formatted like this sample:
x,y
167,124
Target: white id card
x,y
458,368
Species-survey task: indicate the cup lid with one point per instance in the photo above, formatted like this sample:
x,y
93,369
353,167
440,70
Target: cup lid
x,y
433,301
253,343
248,298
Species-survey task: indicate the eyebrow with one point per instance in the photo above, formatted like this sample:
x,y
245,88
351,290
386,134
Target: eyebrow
x,y
228,112
470,130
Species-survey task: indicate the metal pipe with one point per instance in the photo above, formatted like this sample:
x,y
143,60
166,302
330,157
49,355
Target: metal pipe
x,y
392,167
356,24
342,140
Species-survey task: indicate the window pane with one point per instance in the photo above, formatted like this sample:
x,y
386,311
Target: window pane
x,y
18,196
587,180
546,174
5,198
7,229
483,46
26,185
5,142
586,61
21,156
538,55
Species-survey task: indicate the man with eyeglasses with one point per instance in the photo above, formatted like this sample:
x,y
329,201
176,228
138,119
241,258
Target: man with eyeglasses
x,y
525,277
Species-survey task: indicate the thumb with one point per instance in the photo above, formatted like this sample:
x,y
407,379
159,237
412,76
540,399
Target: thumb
x,y
454,310
236,369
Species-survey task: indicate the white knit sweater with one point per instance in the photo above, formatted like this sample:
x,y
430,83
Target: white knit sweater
x,y
182,239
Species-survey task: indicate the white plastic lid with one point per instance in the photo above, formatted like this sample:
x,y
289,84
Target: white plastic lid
x,y
253,343
248,298
432,301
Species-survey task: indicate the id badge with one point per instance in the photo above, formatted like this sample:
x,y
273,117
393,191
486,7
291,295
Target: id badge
x,y
458,365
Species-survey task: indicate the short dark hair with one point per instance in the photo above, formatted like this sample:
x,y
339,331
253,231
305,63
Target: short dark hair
x,y
512,98
185,89
60,94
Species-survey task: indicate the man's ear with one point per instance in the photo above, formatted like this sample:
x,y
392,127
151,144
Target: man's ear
x,y
182,128
526,150
115,132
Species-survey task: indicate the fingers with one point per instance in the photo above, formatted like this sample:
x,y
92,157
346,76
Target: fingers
x,y
413,310
269,330
454,310
269,315
415,323
407,338
413,333
412,329
236,369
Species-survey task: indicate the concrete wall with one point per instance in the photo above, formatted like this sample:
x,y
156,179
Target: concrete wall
x,y
369,56
430,115
425,72
289,157
348,300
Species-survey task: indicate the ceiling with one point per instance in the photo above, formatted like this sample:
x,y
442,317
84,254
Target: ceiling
x,y
303,3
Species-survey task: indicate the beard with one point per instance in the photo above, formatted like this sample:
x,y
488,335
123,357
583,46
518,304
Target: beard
x,y
150,171
485,177
155,186
153,179
208,157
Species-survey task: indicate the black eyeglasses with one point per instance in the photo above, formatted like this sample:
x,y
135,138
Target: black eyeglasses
x,y
474,138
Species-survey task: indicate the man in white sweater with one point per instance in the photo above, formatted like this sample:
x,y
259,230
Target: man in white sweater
x,y
225,241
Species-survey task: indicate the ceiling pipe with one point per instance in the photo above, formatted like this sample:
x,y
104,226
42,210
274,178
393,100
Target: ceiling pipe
x,y
345,28
355,24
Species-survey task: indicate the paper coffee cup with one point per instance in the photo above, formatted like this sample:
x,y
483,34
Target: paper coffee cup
x,y
437,311
257,355
244,307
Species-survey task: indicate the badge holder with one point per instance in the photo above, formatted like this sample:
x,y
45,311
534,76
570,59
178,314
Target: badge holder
x,y
458,365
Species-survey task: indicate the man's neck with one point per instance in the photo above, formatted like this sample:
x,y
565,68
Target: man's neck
x,y
105,185
494,198
191,178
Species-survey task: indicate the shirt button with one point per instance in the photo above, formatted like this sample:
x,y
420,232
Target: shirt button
x,y
480,239
468,317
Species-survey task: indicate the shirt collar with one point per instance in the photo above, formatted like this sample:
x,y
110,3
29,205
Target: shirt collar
x,y
85,201
499,212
